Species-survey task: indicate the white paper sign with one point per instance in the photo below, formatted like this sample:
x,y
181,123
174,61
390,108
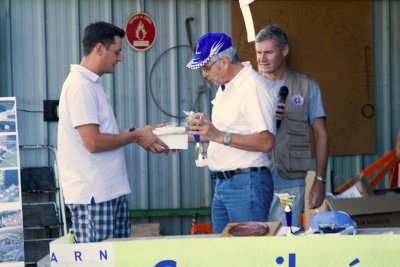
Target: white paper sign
x,y
248,19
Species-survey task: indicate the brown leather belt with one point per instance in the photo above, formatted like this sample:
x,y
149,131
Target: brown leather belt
x,y
230,174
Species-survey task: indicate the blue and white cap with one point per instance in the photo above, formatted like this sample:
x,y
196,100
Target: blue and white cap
x,y
208,46
338,219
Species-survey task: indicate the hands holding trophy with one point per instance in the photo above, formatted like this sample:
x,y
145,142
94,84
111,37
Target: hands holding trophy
x,y
201,160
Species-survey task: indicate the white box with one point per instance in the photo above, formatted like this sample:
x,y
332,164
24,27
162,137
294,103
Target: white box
x,y
175,141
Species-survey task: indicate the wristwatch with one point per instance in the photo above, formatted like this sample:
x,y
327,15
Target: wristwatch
x,y
322,179
227,139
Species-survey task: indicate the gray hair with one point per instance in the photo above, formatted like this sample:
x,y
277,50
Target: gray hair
x,y
272,32
230,53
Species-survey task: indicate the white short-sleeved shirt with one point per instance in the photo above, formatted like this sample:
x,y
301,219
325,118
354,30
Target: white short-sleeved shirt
x,y
83,174
245,106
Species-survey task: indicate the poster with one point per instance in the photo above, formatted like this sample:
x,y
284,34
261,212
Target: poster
x,y
11,224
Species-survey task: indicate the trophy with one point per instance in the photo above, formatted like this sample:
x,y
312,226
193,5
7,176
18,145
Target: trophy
x,y
288,201
201,160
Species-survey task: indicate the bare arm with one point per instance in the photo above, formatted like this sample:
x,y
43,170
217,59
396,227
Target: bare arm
x,y
321,145
317,193
95,141
261,142
203,139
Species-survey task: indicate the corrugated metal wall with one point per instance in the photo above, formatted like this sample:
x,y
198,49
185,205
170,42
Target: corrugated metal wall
x,y
386,48
41,38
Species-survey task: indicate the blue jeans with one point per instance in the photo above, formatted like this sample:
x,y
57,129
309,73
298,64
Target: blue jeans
x,y
243,198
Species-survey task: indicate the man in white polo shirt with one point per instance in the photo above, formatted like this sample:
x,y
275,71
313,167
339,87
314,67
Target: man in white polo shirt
x,y
91,159
241,133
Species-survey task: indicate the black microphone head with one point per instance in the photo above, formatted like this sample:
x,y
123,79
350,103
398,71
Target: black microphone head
x,y
283,92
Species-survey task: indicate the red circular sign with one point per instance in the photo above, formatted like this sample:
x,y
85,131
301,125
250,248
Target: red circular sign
x,y
140,31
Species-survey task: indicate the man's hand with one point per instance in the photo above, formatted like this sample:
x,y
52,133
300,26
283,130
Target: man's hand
x,y
280,111
149,141
317,195
202,126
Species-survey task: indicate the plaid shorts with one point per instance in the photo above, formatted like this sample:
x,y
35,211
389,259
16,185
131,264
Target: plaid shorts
x,y
96,222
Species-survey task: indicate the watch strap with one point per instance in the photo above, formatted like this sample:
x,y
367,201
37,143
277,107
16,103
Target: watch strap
x,y
320,178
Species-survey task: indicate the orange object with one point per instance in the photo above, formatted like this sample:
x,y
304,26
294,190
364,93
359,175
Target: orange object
x,y
383,166
344,186
380,168
200,228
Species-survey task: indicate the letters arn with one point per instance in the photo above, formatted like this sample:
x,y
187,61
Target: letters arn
x,y
78,256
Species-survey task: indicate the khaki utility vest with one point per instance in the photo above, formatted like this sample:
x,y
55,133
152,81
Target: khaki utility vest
x,y
292,150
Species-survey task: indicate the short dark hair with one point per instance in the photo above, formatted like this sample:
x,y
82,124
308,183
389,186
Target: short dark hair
x,y
272,32
100,32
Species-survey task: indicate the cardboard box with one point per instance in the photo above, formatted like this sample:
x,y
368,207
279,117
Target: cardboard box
x,y
360,188
370,211
146,229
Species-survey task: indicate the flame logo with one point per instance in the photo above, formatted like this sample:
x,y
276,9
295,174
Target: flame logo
x,y
141,31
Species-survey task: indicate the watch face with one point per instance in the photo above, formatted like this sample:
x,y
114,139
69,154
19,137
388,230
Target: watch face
x,y
227,139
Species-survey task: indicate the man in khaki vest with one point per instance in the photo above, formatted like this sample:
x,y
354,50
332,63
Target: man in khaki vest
x,y
302,108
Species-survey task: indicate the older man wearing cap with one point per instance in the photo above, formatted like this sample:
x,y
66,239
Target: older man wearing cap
x,y
241,133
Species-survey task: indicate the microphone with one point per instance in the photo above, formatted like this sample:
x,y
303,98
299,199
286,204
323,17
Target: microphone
x,y
283,92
